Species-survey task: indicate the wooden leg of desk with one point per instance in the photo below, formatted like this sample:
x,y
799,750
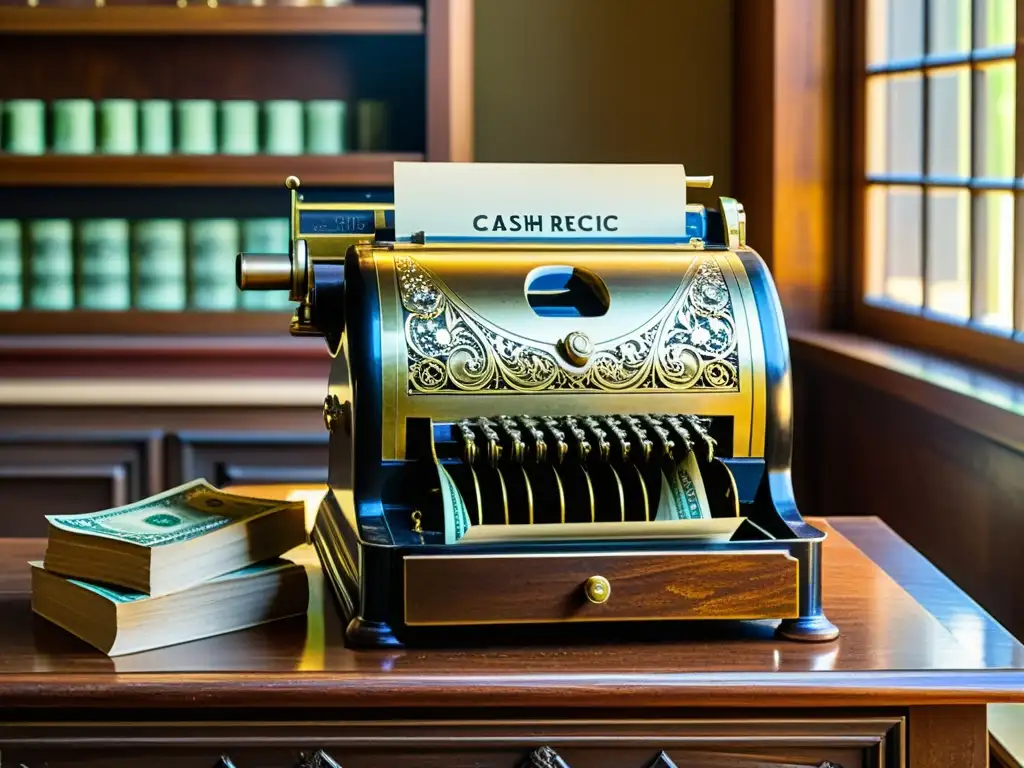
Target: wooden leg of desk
x,y
948,737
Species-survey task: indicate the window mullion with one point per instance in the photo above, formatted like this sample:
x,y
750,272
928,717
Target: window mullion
x,y
1018,172
925,94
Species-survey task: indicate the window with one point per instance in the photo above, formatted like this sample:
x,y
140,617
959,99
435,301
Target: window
x,y
942,171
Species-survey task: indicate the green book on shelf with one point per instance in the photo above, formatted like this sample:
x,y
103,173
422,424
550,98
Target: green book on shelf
x,y
51,268
10,265
104,265
213,248
158,255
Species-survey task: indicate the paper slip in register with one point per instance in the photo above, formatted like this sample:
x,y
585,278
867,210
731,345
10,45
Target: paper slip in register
x,y
173,540
540,201
119,622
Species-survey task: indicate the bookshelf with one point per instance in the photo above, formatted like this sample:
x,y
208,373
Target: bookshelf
x,y
414,56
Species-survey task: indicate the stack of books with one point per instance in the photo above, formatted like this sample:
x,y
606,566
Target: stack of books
x,y
189,563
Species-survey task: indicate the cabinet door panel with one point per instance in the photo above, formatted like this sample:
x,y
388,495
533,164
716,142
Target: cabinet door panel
x,y
735,743
248,458
71,473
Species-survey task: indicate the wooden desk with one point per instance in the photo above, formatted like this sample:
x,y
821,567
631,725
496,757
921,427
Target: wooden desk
x,y
906,684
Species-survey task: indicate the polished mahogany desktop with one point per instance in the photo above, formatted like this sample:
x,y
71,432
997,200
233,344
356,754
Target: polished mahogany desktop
x,y
906,683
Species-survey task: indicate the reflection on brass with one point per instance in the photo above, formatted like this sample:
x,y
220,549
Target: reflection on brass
x,y
643,493
688,344
417,521
597,589
337,413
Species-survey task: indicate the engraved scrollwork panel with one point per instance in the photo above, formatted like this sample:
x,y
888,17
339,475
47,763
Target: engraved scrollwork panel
x,y
543,757
318,759
690,344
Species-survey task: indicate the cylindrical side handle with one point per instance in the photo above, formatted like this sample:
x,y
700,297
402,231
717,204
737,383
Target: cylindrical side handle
x,y
263,272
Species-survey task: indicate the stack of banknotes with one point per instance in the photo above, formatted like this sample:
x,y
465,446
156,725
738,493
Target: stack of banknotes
x,y
188,563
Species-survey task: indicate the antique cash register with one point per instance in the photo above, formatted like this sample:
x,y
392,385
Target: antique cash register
x,y
537,432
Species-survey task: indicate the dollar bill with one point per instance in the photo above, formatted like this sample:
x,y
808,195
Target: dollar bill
x,y
456,515
180,514
682,492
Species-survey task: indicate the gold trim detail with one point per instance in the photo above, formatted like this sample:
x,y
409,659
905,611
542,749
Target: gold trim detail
x,y
690,344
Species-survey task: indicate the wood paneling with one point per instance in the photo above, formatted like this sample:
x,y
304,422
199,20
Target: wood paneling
x,y
247,458
67,473
951,492
941,737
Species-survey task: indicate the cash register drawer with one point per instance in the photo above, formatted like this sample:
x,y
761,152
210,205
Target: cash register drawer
x,y
560,587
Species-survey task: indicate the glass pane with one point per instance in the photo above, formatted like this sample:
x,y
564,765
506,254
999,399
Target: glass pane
x,y
895,132
906,29
894,245
949,26
876,106
993,259
994,120
995,22
877,31
949,252
949,122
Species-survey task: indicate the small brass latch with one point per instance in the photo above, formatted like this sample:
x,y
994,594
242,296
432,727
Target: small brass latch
x,y
597,589
577,348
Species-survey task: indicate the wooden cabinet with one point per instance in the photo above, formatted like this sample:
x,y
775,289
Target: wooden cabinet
x,y
69,472
758,742
234,458
73,460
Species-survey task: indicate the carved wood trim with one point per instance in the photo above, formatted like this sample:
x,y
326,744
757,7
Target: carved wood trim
x,y
544,757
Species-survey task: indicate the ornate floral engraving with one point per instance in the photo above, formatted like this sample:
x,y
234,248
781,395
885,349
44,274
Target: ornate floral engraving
x,y
544,757
690,344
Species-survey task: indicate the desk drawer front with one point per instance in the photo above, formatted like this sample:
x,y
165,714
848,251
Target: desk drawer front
x,y
509,589
761,743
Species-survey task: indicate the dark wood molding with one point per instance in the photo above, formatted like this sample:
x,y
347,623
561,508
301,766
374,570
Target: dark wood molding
x,y
976,401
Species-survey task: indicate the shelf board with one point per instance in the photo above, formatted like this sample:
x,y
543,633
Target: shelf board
x,y
225,20
79,322
357,169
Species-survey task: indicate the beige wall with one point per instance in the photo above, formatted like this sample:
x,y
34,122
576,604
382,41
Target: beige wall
x,y
606,81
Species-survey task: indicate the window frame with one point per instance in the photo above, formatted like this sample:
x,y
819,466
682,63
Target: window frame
x,y
1001,351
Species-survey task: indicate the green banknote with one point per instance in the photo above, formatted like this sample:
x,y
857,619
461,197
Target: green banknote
x,y
180,514
682,492
456,516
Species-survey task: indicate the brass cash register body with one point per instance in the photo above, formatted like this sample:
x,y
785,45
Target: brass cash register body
x,y
505,419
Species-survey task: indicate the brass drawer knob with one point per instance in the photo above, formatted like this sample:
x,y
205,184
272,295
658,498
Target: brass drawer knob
x,y
597,589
